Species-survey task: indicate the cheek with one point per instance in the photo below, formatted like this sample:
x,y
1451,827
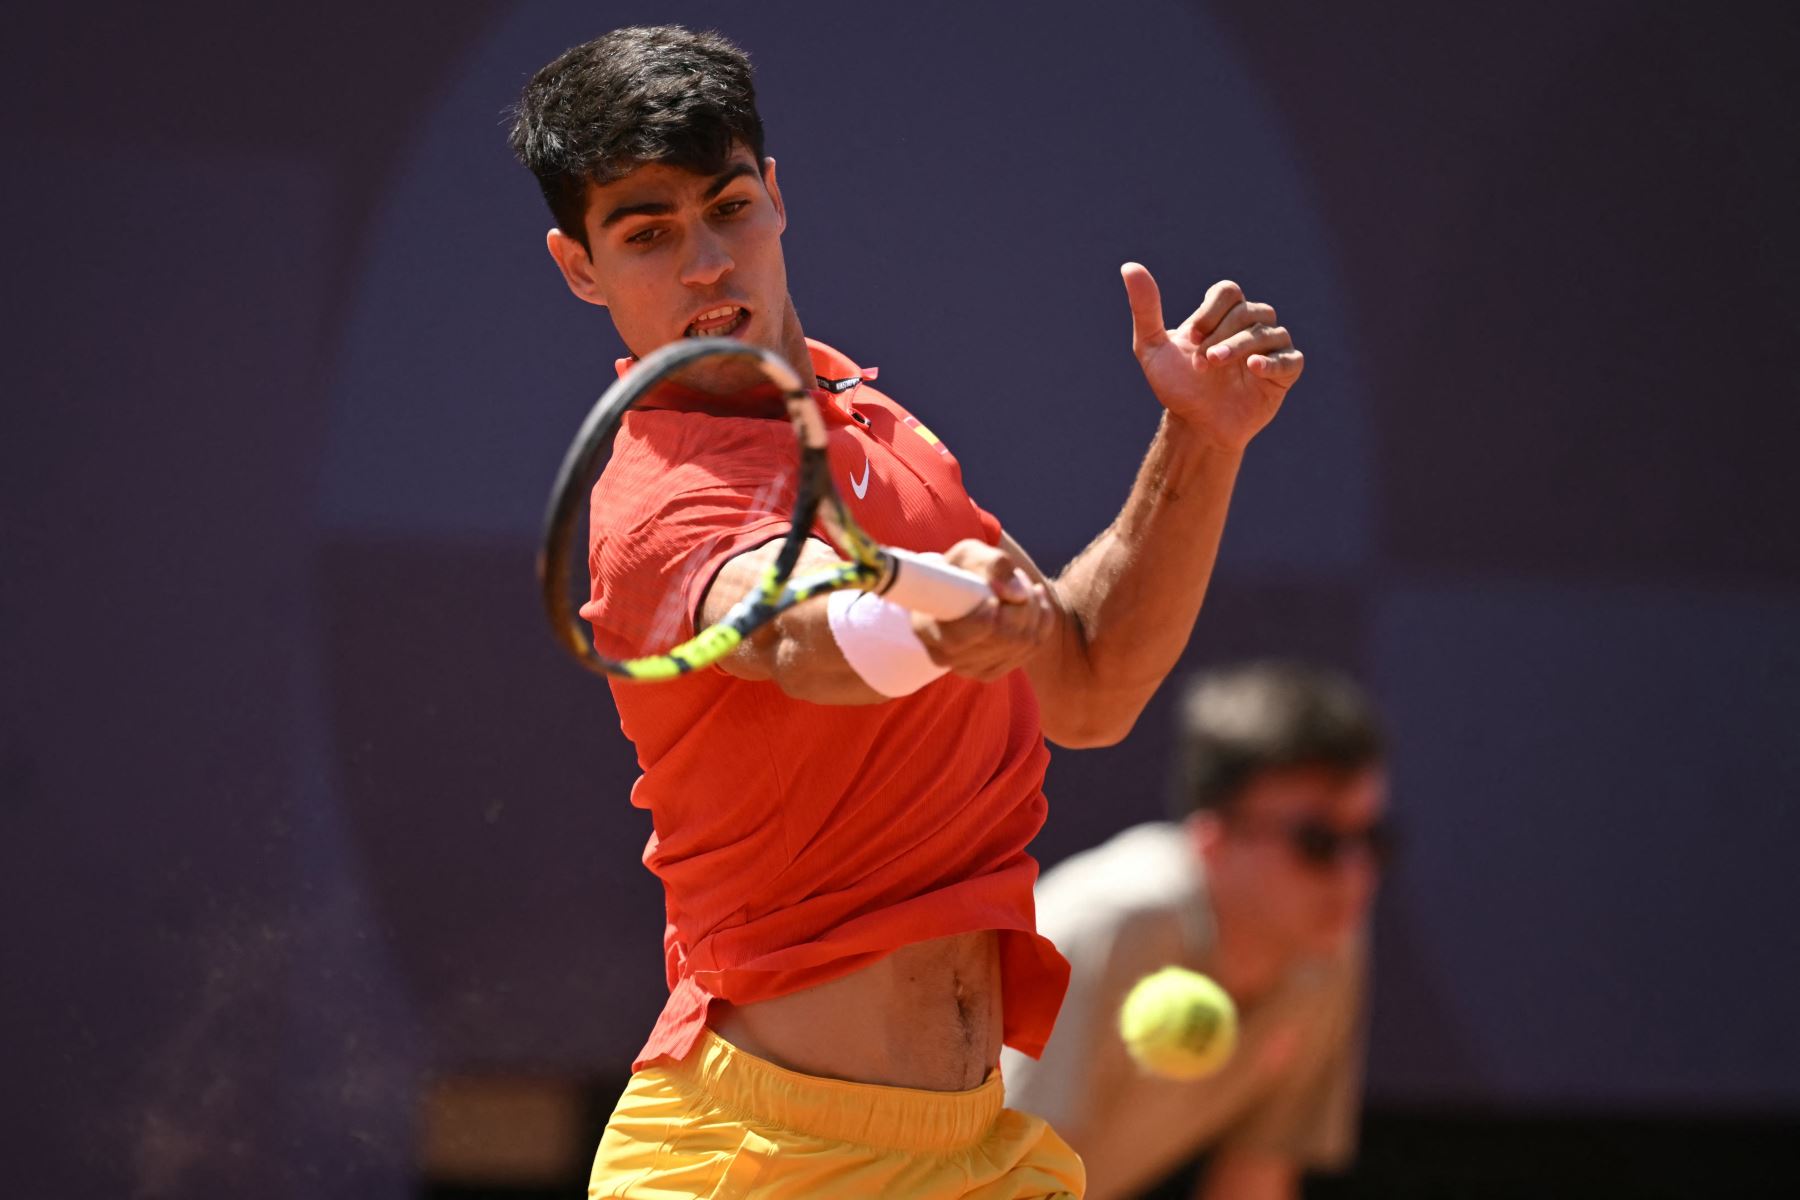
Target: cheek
x,y
761,247
643,290
1289,889
646,277
1363,881
1348,895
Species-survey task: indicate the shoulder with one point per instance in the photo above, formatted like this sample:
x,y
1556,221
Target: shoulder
x,y
680,451
1144,876
669,433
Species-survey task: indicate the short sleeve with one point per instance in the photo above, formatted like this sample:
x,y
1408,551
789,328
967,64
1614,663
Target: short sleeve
x,y
682,495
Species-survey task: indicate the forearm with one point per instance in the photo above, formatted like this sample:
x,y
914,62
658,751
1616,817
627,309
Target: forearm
x,y
1235,1175
1131,598
861,657
796,651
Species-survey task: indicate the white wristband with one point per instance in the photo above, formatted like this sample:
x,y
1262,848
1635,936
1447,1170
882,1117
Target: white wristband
x,y
877,640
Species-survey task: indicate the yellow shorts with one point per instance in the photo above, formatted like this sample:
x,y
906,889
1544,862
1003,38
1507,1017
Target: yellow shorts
x,y
723,1123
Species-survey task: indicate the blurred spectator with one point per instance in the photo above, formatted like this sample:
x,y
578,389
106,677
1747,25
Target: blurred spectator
x,y
1263,882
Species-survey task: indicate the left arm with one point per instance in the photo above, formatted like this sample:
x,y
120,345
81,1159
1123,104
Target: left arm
x,y
1126,605
1240,1175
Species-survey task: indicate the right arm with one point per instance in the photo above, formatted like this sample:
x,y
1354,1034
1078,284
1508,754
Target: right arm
x,y
798,652
1244,1175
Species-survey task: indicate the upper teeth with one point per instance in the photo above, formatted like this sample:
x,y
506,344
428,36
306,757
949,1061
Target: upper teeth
x,y
713,314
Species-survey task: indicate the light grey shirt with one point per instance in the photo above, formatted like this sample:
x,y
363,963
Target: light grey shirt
x,y
1129,907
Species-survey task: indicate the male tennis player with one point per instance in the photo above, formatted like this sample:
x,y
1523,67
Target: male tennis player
x,y
841,812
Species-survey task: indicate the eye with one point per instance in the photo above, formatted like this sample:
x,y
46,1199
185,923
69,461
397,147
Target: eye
x,y
731,208
644,237
1317,843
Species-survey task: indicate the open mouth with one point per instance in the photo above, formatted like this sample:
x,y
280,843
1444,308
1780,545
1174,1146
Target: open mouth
x,y
727,320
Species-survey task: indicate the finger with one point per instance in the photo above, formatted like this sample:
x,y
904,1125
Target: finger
x,y
1014,624
1013,587
1221,298
1009,583
1043,617
1019,630
1284,365
994,640
1258,339
949,642
1145,298
1243,316
992,564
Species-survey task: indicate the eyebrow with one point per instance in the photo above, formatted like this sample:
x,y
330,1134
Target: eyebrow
x,y
660,208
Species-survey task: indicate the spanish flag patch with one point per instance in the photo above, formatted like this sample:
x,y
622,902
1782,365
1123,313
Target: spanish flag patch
x,y
912,423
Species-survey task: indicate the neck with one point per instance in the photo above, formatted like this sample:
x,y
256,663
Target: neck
x,y
793,343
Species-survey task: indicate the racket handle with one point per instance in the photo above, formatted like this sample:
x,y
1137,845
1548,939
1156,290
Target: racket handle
x,y
927,584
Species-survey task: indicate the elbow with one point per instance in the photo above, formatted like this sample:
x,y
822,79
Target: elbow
x,y
1082,739
1091,717
1088,731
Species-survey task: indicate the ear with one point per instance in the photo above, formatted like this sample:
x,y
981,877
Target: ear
x,y
577,267
774,190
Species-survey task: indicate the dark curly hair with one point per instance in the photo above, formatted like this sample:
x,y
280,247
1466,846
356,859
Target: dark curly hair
x,y
1239,722
645,94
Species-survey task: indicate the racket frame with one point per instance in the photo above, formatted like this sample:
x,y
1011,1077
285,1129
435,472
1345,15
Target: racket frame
x,y
869,567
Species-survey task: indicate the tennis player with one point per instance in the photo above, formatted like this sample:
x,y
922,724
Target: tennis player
x,y
842,810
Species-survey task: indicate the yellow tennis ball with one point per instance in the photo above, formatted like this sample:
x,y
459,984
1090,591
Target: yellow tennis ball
x,y
1179,1024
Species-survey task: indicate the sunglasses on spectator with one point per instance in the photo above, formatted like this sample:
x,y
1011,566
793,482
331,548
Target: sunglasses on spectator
x,y
1321,845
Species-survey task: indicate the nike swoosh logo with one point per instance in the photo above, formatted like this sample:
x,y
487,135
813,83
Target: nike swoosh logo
x,y
861,486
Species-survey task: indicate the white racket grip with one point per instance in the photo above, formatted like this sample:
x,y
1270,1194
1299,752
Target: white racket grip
x,y
927,584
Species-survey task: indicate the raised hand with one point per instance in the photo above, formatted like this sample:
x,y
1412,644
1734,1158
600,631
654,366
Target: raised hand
x,y
1223,370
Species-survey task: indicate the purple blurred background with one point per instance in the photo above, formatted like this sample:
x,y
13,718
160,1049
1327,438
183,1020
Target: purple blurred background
x,y
301,809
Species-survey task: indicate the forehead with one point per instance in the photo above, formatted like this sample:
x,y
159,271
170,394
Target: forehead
x,y
665,182
1335,795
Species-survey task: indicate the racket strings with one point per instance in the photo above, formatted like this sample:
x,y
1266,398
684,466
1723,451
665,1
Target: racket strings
x,y
667,517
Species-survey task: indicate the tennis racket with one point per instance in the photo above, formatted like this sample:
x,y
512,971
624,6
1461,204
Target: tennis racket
x,y
924,583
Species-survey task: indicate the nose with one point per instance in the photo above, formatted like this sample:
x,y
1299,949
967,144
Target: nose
x,y
707,261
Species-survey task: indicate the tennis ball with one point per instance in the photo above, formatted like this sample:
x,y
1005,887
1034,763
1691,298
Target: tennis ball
x,y
1179,1024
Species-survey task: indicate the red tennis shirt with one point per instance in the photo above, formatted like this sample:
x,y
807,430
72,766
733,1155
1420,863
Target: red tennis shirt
x,y
798,842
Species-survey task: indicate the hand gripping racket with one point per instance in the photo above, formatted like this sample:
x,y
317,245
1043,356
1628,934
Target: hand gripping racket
x,y
921,582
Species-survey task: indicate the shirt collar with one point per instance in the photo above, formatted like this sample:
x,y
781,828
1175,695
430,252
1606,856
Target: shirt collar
x,y
837,377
